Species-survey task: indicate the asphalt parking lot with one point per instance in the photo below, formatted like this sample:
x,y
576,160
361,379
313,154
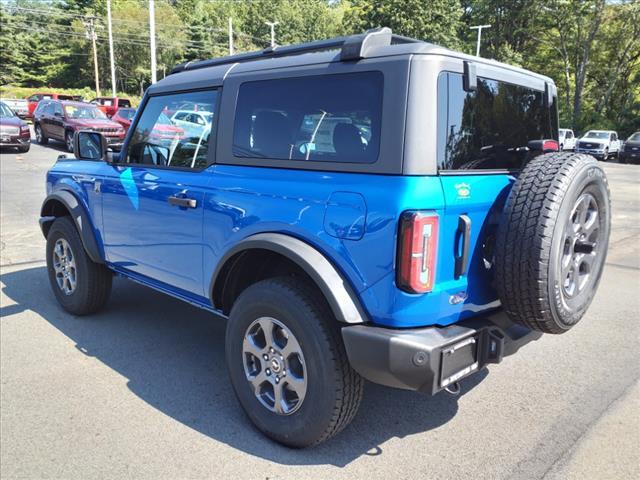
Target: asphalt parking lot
x,y
141,390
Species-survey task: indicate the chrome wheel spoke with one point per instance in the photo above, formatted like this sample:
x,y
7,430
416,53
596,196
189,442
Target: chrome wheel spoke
x,y
278,404
266,324
252,348
257,381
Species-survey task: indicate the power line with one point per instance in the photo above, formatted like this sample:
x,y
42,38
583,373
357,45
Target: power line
x,y
134,22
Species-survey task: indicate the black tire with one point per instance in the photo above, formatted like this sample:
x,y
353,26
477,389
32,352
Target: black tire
x,y
92,280
334,389
538,255
40,136
68,140
24,149
605,157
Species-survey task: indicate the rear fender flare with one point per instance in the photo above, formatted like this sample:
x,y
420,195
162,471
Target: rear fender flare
x,y
340,296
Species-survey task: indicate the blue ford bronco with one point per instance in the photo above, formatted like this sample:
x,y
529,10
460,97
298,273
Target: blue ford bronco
x,y
366,207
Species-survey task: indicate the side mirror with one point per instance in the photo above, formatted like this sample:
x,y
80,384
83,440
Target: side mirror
x,y
89,145
57,114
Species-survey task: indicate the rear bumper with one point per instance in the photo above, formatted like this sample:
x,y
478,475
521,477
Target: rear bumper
x,y
425,359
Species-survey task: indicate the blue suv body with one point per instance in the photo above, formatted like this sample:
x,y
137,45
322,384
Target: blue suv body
x,y
374,169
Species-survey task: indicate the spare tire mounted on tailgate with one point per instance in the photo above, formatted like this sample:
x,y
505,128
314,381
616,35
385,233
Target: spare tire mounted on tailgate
x,y
552,241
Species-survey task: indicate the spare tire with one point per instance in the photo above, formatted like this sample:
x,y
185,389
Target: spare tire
x,y
552,241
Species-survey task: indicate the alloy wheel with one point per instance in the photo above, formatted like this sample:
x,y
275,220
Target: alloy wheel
x,y
274,365
580,248
64,265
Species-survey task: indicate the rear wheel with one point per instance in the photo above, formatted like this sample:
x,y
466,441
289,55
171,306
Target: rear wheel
x,y
288,365
552,241
68,139
40,137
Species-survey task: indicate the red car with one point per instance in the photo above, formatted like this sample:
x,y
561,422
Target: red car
x,y
110,105
124,117
14,132
164,130
58,120
34,99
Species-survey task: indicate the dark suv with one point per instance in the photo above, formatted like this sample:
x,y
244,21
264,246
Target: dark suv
x,y
59,120
367,207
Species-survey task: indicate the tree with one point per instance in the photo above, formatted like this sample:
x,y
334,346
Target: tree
x,y
436,21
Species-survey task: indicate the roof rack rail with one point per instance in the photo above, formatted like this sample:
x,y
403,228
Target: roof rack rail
x,y
352,47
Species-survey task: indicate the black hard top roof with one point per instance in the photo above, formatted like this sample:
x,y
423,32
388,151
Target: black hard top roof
x,y
375,43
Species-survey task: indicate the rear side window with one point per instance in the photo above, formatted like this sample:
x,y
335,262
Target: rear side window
x,y
489,129
158,140
329,118
123,102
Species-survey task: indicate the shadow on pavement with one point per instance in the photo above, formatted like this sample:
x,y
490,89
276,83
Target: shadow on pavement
x,y
173,357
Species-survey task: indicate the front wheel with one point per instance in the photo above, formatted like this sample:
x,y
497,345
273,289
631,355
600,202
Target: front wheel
x,y
80,285
288,365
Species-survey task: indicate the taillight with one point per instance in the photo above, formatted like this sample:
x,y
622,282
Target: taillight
x,y
550,146
418,244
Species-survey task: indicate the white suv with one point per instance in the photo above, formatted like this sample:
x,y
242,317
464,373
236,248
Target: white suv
x,y
602,144
567,139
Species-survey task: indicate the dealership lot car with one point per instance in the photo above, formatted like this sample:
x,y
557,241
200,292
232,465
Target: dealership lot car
x,y
59,120
602,144
14,132
630,151
344,230
567,139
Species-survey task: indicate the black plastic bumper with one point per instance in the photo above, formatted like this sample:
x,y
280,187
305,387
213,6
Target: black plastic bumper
x,y
432,358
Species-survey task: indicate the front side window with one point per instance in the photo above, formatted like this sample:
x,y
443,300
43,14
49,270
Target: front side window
x,y
161,139
490,128
57,109
330,118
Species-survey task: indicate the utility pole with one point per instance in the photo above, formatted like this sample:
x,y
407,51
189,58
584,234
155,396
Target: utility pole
x,y
273,32
479,28
152,38
91,35
230,36
113,63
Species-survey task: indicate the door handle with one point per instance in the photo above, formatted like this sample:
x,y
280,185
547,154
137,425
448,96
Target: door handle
x,y
182,202
463,234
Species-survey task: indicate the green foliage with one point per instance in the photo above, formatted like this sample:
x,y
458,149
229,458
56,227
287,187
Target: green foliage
x,y
590,48
436,21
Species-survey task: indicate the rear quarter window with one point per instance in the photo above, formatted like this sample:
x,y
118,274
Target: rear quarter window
x,y
329,118
489,129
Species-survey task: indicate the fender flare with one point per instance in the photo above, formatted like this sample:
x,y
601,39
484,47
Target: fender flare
x,y
339,294
80,218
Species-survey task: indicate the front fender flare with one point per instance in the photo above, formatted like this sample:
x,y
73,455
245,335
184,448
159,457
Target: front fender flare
x,y
80,218
339,294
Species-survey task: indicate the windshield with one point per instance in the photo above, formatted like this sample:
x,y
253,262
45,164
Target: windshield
x,y
127,113
5,111
83,111
602,135
634,138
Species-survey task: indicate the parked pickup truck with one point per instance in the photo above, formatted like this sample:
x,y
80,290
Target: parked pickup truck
x,y
602,144
346,224
19,106
567,139
34,99
110,105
